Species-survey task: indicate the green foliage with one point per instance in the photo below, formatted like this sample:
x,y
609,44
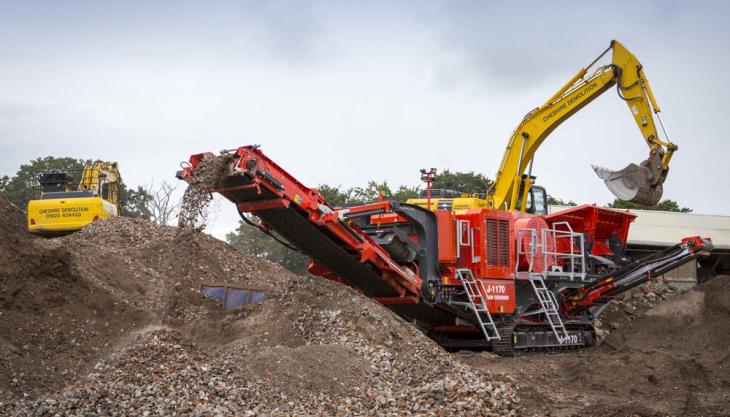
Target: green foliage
x,y
554,201
337,197
664,205
466,182
374,189
134,203
4,182
252,241
18,188
333,195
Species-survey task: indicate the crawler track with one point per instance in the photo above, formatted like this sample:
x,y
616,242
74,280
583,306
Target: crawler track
x,y
526,339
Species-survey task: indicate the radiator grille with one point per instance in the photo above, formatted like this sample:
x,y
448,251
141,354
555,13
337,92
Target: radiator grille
x,y
497,242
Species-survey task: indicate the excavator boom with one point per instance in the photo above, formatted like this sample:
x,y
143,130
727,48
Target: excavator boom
x,y
640,183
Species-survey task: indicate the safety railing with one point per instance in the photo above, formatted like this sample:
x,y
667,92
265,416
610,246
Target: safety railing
x,y
560,250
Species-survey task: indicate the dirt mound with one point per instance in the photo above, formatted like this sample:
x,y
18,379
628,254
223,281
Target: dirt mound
x,y
678,323
52,321
676,354
667,360
12,219
111,320
632,304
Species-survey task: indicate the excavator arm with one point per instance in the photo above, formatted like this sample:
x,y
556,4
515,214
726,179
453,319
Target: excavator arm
x,y
637,183
98,175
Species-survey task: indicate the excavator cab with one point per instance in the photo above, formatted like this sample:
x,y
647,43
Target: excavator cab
x,y
537,202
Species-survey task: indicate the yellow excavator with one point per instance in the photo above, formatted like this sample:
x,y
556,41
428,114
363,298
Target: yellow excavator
x,y
513,188
66,205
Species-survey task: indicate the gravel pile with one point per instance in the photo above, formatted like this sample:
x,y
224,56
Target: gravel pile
x,y
409,375
154,267
157,373
111,321
12,219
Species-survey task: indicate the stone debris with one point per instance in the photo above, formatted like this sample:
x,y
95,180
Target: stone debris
x,y
193,210
411,378
632,304
110,321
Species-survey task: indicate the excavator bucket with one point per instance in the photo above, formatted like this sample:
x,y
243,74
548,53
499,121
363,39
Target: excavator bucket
x,y
635,183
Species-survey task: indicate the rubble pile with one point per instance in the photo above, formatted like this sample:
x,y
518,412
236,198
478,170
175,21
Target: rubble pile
x,y
12,219
631,305
412,375
53,322
156,268
110,321
157,373
674,354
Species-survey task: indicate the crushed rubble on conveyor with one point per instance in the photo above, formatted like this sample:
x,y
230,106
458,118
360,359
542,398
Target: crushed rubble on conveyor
x,y
110,321
631,305
198,195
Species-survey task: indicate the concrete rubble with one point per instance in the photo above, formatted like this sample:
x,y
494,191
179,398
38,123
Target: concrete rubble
x,y
150,344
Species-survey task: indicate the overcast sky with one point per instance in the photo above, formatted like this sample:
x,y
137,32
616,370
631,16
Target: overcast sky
x,y
344,92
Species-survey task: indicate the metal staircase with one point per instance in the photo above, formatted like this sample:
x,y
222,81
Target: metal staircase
x,y
475,293
564,251
548,306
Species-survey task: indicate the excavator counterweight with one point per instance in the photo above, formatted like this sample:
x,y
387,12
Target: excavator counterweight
x,y
65,202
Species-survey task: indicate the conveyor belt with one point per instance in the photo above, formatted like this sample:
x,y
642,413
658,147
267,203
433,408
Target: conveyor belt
x,y
332,239
292,224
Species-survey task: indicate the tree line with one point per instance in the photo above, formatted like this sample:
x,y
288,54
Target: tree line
x,y
154,202
158,203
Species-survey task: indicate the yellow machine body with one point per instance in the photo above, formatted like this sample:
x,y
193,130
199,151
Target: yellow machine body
x,y
458,205
58,216
640,183
66,207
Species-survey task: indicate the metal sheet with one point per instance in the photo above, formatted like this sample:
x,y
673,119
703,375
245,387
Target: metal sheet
x,y
232,297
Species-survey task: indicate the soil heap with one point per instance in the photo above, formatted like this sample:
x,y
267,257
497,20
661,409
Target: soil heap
x,y
672,360
667,360
110,321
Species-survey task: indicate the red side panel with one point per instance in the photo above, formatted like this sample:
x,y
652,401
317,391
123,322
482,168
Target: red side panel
x,y
485,243
447,237
500,295
599,224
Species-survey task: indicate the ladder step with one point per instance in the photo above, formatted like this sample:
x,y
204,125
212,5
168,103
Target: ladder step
x,y
478,304
549,306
